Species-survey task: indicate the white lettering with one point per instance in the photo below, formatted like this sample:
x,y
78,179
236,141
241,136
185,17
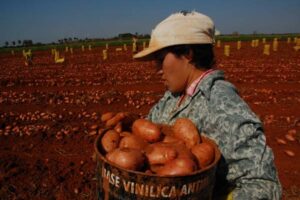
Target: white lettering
x,y
163,192
152,194
117,183
183,190
154,191
139,189
126,185
132,187
147,190
173,192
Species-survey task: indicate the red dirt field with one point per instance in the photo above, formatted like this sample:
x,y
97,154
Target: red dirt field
x,y
50,113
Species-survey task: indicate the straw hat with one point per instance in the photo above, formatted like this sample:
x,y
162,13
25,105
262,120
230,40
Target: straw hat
x,y
179,28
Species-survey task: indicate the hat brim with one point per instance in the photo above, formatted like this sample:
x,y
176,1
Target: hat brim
x,y
147,54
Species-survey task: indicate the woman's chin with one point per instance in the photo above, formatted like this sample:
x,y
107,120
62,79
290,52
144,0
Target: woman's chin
x,y
175,91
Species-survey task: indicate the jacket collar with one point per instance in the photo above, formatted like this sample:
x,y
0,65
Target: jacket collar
x,y
205,84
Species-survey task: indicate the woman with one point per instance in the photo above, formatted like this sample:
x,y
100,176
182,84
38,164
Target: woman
x,y
182,45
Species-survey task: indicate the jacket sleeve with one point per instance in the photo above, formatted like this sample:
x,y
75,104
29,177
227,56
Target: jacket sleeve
x,y
249,161
156,112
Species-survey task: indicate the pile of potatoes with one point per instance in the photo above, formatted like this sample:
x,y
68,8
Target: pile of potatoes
x,y
155,148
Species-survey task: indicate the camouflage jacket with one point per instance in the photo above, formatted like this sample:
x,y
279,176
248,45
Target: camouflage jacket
x,y
247,163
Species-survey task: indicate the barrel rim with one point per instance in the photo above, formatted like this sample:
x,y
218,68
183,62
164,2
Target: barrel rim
x,y
207,168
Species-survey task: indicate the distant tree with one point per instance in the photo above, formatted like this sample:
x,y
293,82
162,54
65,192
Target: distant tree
x,y
147,36
235,33
13,43
255,32
6,43
27,43
19,42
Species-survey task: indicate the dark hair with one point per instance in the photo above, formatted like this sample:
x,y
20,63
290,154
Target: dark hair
x,y
202,54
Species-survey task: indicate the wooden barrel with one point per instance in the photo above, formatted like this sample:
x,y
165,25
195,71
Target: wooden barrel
x,y
115,183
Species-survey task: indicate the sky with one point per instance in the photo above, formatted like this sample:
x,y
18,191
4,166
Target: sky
x,y
47,21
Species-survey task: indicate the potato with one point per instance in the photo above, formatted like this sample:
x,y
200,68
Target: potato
x,y
133,142
125,133
126,158
184,129
118,127
178,166
156,168
172,140
128,121
160,153
148,172
146,130
115,119
166,129
184,152
205,154
110,140
107,116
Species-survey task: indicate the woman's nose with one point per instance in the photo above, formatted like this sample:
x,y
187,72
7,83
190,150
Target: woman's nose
x,y
163,76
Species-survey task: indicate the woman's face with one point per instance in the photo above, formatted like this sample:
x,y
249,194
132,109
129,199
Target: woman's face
x,y
175,71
